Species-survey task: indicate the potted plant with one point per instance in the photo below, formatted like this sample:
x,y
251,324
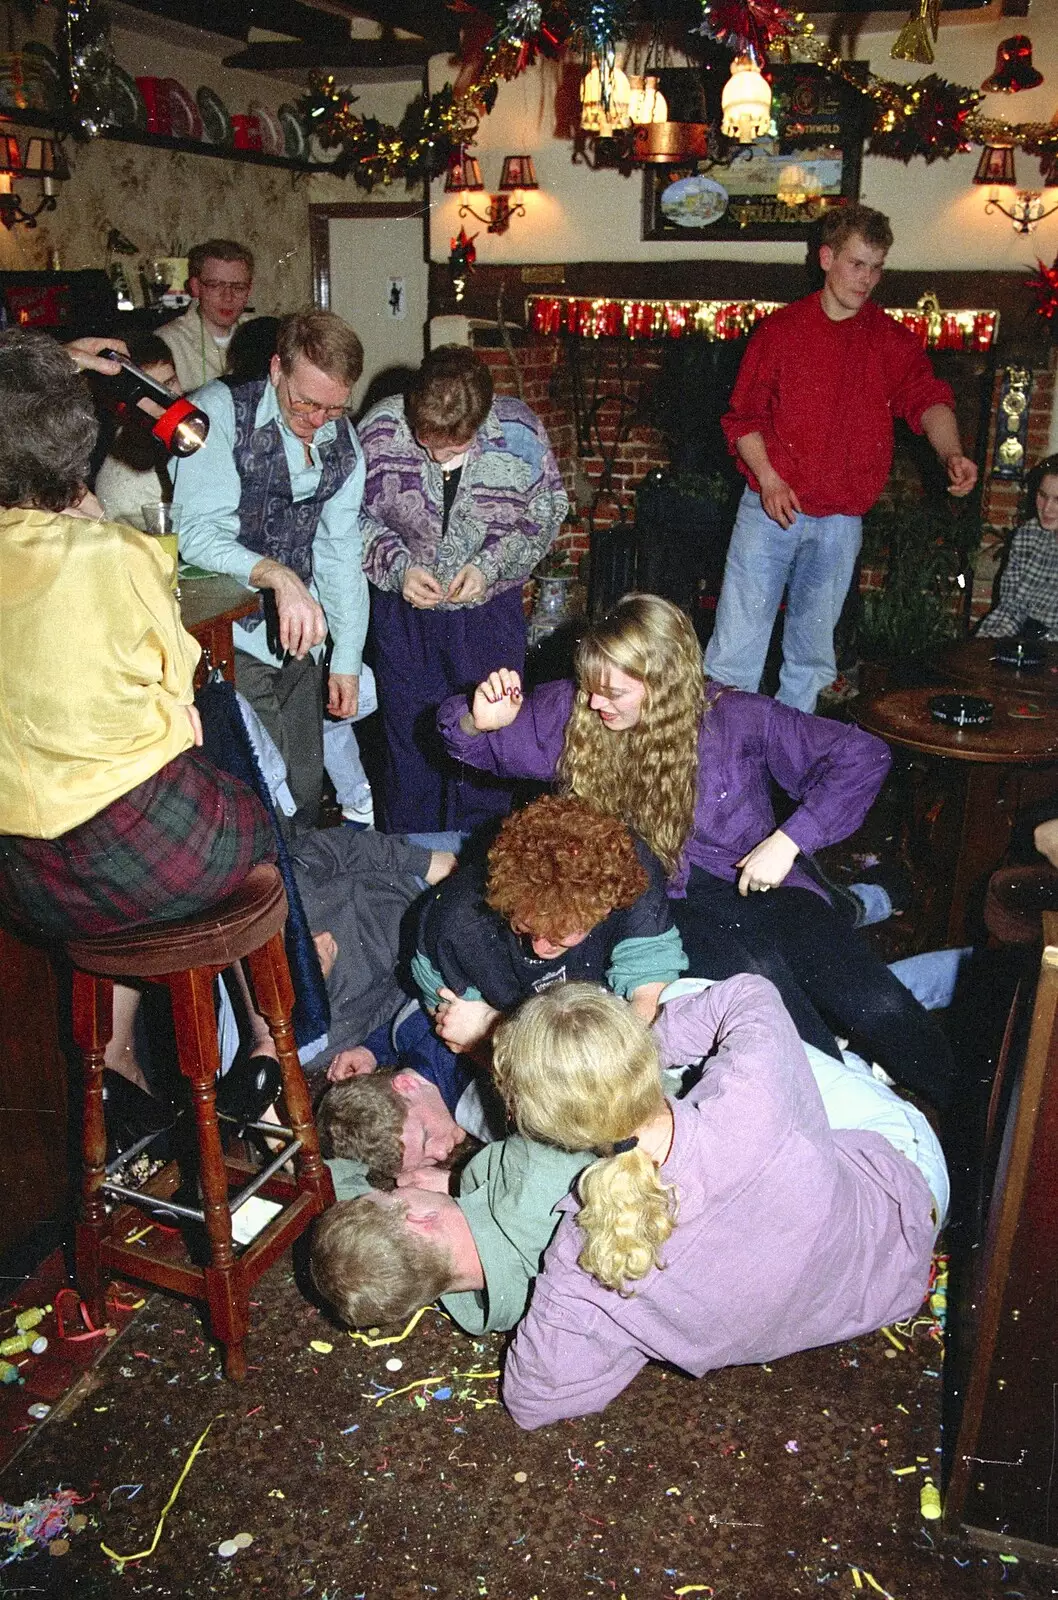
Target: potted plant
x,y
924,547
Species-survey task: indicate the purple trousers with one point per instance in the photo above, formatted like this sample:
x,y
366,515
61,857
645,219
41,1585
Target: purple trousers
x,y
421,657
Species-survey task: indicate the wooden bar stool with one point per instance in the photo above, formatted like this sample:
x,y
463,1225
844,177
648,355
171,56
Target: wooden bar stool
x,y
185,957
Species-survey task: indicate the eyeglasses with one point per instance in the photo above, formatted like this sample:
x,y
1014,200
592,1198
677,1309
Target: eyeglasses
x,y
311,408
222,286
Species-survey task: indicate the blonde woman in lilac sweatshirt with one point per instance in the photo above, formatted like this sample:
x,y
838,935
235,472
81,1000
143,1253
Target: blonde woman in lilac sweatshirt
x,y
731,1226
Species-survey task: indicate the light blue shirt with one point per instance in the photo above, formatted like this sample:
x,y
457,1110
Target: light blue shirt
x,y
207,491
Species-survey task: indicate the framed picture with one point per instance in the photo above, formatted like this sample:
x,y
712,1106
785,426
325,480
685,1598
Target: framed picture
x,y
778,186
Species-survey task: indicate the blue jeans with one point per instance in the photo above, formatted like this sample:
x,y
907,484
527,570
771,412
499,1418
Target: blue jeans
x,y
341,753
814,561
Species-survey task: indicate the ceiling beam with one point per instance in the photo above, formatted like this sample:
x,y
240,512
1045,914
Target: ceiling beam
x,y
346,55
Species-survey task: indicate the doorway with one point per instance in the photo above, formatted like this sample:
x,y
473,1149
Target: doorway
x,y
369,267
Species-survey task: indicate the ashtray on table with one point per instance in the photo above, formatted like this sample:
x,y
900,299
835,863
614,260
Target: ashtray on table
x,y
961,710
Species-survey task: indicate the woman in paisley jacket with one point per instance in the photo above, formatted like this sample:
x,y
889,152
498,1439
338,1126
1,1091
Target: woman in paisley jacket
x,y
463,499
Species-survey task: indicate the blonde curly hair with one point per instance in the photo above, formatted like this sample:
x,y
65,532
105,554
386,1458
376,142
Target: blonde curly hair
x,y
646,775
578,1069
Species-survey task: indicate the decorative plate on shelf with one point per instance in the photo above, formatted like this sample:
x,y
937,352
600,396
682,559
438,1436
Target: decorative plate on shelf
x,y
124,101
184,115
216,123
694,202
294,141
45,63
24,85
319,152
273,142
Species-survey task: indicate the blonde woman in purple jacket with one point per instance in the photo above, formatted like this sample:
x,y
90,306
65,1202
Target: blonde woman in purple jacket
x,y
690,766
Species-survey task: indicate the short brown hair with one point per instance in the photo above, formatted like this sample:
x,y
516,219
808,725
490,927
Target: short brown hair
x,y
324,340
370,1266
841,222
560,866
362,1119
217,250
449,397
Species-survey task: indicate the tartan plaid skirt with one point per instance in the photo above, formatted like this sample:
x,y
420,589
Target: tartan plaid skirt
x,y
169,848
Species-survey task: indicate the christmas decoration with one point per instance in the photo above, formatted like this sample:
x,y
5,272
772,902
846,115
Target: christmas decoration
x,y
430,130
931,118
917,37
461,258
89,58
931,121
1045,287
745,26
733,319
1014,68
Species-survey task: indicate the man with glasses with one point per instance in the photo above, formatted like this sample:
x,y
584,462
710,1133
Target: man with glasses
x,y
220,278
273,498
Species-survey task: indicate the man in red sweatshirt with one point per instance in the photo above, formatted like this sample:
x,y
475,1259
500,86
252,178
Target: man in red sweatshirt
x,y
811,422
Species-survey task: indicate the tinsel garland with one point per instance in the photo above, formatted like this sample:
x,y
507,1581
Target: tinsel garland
x,y
720,320
930,118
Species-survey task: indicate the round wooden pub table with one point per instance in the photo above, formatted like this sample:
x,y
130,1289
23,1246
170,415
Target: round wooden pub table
x,y
965,788
972,665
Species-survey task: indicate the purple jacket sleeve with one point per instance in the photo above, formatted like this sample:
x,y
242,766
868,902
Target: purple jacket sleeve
x,y
528,748
833,769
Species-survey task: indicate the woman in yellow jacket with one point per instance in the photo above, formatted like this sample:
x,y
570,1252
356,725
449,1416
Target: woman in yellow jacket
x,y
109,815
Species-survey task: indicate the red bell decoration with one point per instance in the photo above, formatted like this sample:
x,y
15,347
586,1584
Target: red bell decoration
x,y
1014,68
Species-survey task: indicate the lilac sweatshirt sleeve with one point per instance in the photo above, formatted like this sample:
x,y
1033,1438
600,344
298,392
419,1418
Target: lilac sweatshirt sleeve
x,y
529,747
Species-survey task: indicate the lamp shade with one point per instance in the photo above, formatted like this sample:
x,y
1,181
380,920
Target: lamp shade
x,y
597,117
746,102
10,155
464,172
996,165
518,173
646,103
44,159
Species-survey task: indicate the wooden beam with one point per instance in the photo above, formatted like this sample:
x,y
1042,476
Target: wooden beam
x,y
347,55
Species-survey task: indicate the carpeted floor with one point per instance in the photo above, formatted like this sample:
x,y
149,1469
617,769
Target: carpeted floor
x,y
759,1481
354,1480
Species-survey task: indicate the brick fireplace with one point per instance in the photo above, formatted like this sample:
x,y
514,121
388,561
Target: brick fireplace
x,y
602,417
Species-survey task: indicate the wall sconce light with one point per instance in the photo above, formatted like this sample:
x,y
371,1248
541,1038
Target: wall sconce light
x,y
464,172
518,175
996,168
43,160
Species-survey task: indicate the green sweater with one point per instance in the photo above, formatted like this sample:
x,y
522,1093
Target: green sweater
x,y
508,1194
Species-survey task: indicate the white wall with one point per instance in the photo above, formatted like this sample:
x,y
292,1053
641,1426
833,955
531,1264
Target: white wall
x,y
938,217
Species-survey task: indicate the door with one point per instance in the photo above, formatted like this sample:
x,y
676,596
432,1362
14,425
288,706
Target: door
x,y
369,267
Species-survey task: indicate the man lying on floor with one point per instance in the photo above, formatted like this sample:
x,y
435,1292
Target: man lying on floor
x,y
566,893
378,1258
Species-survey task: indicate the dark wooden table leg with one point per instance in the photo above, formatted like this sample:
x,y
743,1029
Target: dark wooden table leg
x,y
986,822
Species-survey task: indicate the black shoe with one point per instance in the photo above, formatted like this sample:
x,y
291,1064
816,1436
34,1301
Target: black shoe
x,y
248,1088
132,1114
